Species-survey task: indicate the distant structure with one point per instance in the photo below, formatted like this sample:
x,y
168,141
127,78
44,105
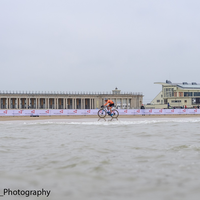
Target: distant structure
x,y
176,95
68,100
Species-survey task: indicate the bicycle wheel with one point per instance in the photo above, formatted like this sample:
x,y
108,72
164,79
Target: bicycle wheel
x,y
115,113
101,113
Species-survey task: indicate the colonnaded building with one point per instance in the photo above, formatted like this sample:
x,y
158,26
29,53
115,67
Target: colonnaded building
x,y
177,95
67,100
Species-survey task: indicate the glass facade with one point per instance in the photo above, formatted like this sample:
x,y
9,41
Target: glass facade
x,y
169,92
176,101
188,94
196,94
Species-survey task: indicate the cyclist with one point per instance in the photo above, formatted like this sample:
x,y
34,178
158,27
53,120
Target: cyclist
x,y
109,104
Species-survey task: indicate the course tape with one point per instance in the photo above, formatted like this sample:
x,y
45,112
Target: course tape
x,y
41,112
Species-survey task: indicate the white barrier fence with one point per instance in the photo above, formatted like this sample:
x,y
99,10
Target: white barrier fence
x,y
94,112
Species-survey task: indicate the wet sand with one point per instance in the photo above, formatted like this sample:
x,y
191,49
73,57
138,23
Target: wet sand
x,y
11,118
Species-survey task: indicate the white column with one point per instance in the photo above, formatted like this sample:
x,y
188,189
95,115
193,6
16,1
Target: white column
x,y
75,103
72,103
26,103
135,99
95,103
20,103
10,103
63,103
36,103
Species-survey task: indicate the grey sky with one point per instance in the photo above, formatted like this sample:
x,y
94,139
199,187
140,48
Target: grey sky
x,y
93,45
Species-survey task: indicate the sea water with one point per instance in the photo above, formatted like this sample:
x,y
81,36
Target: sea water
x,y
89,159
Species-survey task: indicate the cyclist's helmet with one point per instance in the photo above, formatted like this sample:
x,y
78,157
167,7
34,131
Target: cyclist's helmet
x,y
106,99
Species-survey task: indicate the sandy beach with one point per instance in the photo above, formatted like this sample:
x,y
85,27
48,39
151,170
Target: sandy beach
x,y
11,118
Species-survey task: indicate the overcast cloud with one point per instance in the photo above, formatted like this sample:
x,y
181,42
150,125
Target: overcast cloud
x,y
96,45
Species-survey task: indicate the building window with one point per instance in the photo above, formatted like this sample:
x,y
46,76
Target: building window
x,y
169,92
180,94
176,101
185,101
187,94
158,101
196,94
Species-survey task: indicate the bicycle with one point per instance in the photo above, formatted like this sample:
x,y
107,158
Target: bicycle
x,y
104,111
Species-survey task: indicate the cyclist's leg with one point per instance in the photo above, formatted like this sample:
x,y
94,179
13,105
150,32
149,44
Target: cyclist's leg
x,y
111,107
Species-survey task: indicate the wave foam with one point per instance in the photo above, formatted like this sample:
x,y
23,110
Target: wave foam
x,y
108,122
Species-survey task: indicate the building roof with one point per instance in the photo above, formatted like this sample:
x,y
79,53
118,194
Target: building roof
x,y
189,86
183,85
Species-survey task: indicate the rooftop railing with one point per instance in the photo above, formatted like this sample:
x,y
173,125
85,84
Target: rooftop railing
x,y
65,93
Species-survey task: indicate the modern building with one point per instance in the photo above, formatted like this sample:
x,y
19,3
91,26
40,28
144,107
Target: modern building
x,y
67,100
178,95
